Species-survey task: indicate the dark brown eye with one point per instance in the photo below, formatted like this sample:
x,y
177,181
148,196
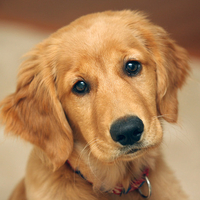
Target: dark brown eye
x,y
81,88
133,68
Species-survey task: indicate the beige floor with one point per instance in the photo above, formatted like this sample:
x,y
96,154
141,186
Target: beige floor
x,y
181,144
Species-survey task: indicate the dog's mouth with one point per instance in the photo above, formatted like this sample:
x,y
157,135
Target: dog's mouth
x,y
130,150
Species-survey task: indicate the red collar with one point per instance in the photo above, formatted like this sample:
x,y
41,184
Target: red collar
x,y
135,184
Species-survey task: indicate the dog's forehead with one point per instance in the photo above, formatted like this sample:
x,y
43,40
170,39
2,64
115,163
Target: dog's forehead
x,y
100,33
100,42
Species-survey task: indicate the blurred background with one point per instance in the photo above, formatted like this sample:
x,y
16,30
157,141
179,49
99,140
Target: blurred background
x,y
24,23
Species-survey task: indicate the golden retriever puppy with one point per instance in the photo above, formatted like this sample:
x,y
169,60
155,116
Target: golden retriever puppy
x,y
91,99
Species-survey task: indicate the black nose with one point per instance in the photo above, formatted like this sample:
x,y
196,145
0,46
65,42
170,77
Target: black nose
x,y
127,130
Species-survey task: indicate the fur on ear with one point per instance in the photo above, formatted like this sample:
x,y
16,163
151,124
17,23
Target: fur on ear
x,y
172,70
34,111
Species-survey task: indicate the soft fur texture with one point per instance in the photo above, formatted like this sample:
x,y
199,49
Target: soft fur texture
x,y
63,125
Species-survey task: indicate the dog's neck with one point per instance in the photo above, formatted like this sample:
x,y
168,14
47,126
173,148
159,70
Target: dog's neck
x,y
106,176
119,188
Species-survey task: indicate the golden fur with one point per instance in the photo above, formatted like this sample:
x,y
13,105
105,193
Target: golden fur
x,y
63,125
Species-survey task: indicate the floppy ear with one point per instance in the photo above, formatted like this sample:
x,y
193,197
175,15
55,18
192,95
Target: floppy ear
x,y
172,70
34,111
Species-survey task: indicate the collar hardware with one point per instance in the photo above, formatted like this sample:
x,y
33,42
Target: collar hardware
x,y
149,188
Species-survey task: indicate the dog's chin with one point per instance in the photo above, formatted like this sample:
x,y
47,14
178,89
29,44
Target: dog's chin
x,y
128,153
132,154
126,156
121,155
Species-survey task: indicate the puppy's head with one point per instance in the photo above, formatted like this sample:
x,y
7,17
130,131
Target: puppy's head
x,y
98,84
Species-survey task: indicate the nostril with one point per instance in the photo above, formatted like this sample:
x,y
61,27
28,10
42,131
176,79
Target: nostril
x,y
120,137
127,130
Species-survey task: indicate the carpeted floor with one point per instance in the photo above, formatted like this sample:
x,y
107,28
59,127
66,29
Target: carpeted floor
x,y
181,143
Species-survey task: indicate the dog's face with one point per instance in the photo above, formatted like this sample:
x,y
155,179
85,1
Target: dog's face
x,y
107,83
99,84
